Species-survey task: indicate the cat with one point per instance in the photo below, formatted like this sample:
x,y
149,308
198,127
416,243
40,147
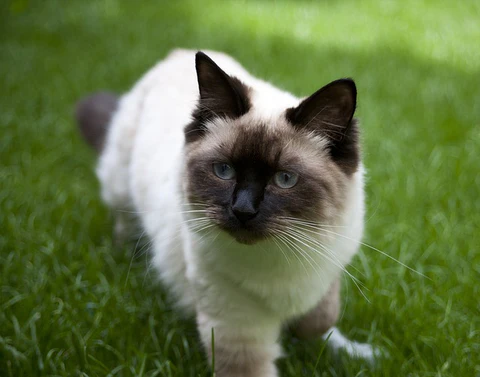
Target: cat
x,y
253,199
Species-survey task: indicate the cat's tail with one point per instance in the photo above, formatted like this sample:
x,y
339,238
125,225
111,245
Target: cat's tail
x,y
93,114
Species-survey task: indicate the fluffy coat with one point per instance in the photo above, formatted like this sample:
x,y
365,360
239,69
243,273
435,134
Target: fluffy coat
x,y
245,292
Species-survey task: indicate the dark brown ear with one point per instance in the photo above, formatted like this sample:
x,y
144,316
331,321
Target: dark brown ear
x,y
329,112
224,95
220,96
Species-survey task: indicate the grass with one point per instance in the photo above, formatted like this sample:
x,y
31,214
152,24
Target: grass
x,y
69,305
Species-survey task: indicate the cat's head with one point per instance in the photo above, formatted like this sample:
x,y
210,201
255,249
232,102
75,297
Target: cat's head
x,y
255,177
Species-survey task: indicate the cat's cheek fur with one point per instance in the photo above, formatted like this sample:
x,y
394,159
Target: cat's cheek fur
x,y
245,293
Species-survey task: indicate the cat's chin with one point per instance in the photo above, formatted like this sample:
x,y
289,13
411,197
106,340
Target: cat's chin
x,y
246,240
246,237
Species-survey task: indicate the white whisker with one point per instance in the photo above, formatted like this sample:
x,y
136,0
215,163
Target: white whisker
x,y
320,229
132,258
332,260
308,222
301,231
281,249
287,242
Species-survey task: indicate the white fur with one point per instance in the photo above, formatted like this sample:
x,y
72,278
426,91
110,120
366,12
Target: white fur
x,y
243,295
338,342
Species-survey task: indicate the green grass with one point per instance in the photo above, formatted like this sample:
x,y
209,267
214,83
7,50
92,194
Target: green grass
x,y
71,305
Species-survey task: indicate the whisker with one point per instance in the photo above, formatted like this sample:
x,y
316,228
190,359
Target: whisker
x,y
287,242
196,220
332,257
302,253
318,269
147,271
312,223
336,263
372,248
295,237
300,231
210,230
281,249
132,258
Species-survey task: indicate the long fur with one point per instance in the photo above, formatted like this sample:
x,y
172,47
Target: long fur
x,y
246,293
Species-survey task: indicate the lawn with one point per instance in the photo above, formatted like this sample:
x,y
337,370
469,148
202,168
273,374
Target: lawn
x,y
73,304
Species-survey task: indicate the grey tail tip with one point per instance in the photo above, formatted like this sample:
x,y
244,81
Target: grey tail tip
x,y
93,114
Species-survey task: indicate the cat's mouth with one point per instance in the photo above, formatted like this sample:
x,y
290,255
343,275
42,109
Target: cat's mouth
x,y
244,232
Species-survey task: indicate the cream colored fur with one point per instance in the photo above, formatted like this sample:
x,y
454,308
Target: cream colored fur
x,y
244,296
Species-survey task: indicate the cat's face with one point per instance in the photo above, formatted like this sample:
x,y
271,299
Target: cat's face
x,y
255,178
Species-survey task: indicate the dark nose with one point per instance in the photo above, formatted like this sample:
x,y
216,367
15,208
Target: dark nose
x,y
243,214
244,207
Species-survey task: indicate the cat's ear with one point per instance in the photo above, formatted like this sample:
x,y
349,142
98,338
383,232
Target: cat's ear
x,y
221,95
329,112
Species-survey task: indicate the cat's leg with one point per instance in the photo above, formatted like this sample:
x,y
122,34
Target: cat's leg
x,y
322,317
321,320
240,351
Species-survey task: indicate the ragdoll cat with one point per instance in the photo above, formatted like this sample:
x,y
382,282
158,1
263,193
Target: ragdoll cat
x,y
253,199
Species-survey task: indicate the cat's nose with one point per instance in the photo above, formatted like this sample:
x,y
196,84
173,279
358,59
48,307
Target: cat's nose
x,y
244,207
244,213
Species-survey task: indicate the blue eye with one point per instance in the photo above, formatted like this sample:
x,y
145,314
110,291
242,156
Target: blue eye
x,y
285,179
223,170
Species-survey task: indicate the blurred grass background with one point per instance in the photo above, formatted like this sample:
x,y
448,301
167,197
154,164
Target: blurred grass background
x,y
69,305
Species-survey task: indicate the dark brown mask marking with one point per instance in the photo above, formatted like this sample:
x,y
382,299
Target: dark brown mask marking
x,y
250,206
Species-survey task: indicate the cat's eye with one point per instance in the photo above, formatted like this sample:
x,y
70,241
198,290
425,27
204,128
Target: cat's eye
x,y
223,170
285,179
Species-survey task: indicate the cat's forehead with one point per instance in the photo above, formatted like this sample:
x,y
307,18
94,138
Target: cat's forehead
x,y
254,143
270,141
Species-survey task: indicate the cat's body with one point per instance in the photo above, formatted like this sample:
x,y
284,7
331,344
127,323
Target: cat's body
x,y
240,281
